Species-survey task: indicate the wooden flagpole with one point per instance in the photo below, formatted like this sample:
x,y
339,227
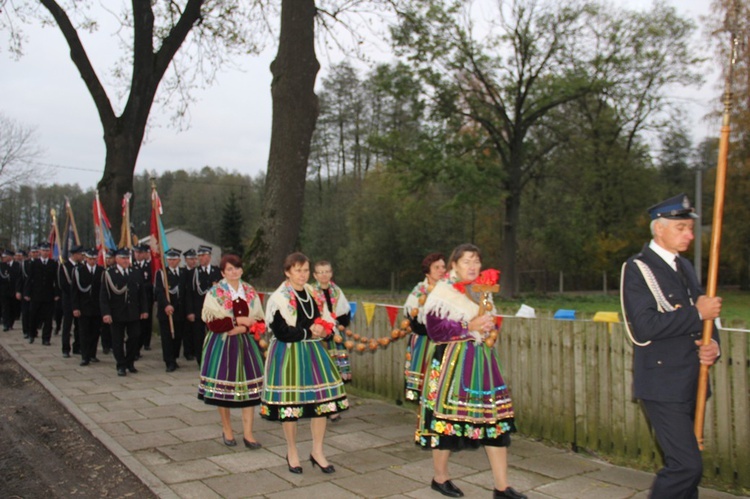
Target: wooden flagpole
x,y
99,222
718,217
69,211
165,281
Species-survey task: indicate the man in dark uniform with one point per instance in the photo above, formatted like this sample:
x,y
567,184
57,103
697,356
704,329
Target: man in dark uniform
x,y
85,293
65,282
18,262
41,290
191,261
7,289
171,305
666,307
142,265
123,304
24,305
203,278
109,261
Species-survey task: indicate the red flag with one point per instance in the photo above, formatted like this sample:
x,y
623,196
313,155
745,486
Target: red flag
x,y
158,241
392,311
104,239
499,321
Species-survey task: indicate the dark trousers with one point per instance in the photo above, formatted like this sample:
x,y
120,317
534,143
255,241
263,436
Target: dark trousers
x,y
9,312
170,347
41,316
25,318
199,334
683,465
91,327
69,323
147,325
58,314
188,346
106,335
124,348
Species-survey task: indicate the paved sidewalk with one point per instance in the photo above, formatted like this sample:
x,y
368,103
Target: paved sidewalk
x,y
154,423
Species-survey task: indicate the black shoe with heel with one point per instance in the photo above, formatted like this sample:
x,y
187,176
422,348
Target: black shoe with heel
x,y
327,469
446,488
228,442
297,470
251,445
509,493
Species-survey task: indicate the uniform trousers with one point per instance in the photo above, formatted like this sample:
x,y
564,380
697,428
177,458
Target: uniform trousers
x,y
91,326
147,326
106,335
124,349
69,323
25,317
188,346
41,316
683,465
8,311
199,335
170,347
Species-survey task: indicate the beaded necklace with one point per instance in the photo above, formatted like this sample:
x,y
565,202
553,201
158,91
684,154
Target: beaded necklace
x,y
302,303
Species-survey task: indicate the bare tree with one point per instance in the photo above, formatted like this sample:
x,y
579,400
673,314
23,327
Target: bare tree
x,y
19,154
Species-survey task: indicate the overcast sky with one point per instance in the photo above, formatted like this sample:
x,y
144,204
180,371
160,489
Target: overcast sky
x,y
230,122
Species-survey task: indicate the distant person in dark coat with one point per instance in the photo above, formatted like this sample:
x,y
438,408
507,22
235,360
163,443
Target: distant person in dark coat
x,y
85,293
665,307
204,277
40,289
65,282
172,307
122,300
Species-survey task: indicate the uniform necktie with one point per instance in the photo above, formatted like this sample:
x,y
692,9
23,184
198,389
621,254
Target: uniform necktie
x,y
681,272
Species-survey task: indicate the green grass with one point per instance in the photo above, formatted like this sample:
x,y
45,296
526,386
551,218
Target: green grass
x,y
735,309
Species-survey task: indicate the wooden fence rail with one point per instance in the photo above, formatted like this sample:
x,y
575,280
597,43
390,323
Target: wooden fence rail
x,y
572,384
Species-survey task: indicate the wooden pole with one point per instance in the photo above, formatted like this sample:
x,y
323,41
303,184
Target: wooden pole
x,y
165,281
69,211
718,217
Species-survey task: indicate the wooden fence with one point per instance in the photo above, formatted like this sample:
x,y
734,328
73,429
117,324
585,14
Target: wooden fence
x,y
571,384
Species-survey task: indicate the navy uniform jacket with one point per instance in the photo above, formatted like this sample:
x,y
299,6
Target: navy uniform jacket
x,y
41,281
6,281
177,294
86,290
125,307
200,282
667,369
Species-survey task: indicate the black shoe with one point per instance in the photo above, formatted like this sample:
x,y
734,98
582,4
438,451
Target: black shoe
x,y
46,343
227,442
85,362
31,340
327,469
334,418
447,488
509,493
6,329
105,351
25,336
132,368
94,360
66,355
251,445
297,470
121,371
189,357
171,368
147,347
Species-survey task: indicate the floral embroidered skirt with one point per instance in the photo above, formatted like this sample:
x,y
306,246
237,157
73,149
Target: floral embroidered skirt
x,y
465,402
415,366
301,382
340,357
231,370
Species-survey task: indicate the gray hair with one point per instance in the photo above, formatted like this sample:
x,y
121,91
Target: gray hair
x,y
661,220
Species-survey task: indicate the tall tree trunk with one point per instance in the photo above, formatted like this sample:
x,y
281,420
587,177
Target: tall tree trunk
x,y
295,111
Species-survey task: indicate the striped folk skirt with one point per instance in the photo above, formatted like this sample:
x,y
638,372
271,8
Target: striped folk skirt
x,y
415,365
465,402
340,357
301,381
231,370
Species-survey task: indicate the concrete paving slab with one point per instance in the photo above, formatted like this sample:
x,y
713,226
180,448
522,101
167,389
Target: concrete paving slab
x,y
379,483
245,460
581,487
325,490
114,417
558,465
185,471
247,484
370,459
195,490
350,442
639,480
520,480
138,441
196,450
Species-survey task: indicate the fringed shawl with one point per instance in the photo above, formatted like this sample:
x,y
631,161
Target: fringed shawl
x,y
218,302
412,301
284,301
338,300
447,302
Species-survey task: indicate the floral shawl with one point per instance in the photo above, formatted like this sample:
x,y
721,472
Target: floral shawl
x,y
218,302
338,300
447,302
284,301
412,301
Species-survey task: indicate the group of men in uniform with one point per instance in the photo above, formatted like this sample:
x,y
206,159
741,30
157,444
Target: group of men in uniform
x,y
113,303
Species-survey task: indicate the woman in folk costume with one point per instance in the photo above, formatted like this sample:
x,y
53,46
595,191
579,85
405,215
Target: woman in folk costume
x,y
328,294
433,268
301,379
232,364
465,402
